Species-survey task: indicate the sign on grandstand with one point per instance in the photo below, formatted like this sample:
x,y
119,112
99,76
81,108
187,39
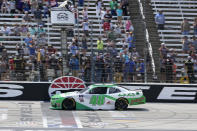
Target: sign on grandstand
x,y
62,17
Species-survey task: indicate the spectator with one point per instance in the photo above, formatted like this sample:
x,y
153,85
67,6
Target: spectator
x,y
20,50
141,69
1,48
98,7
24,30
173,55
160,20
3,68
108,68
86,28
76,13
12,6
113,6
185,27
129,70
189,65
34,6
53,3
124,55
169,69
99,44
117,29
53,66
46,10
112,36
74,65
129,26
185,43
99,67
6,31
84,44
163,51
119,13
75,40
32,50
125,4
41,40
118,65
16,30
51,50
38,16
85,14
28,40
41,30
74,49
81,2
26,17
163,69
174,72
106,27
19,5
32,30
25,50
108,17
195,26
103,12
4,6
131,43
40,3
87,70
135,54
194,42
26,6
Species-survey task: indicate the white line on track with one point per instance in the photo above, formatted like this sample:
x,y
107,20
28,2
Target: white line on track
x,y
77,120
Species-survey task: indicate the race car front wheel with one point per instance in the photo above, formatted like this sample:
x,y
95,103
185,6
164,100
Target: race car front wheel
x,y
121,104
68,104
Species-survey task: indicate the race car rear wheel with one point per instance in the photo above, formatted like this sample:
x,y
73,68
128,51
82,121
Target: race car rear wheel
x,y
121,104
69,104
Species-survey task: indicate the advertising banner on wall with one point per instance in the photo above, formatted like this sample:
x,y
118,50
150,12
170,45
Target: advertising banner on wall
x,y
62,17
42,91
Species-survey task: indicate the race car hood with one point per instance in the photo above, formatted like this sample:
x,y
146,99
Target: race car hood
x,y
69,94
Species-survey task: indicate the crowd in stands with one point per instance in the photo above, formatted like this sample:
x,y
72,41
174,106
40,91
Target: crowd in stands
x,y
168,56
36,60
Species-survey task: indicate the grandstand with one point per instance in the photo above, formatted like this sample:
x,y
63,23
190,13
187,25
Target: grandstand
x,y
175,12
50,42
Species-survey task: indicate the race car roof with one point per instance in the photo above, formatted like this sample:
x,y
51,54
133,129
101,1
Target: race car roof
x,y
104,85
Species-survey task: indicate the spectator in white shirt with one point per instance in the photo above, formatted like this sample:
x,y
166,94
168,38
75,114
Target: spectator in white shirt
x,y
5,30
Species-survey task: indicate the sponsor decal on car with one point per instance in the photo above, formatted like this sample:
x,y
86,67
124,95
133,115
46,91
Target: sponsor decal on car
x,y
97,100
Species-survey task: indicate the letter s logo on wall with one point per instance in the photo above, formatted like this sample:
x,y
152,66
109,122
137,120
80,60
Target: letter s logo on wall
x,y
178,93
9,90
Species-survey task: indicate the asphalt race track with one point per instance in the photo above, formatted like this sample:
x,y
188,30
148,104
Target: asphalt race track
x,y
31,115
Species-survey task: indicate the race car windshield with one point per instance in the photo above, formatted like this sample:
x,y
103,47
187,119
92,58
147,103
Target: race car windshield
x,y
83,90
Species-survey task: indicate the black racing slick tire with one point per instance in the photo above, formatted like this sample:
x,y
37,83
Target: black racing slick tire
x,y
69,104
121,104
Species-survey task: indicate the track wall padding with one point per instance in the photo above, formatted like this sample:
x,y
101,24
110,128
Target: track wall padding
x,y
41,91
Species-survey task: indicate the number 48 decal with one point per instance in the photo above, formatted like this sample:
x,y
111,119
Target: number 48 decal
x,y
97,100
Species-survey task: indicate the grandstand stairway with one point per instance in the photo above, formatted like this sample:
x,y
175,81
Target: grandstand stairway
x,y
153,34
139,32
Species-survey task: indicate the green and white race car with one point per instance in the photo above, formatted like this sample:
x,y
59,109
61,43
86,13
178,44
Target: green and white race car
x,y
98,96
